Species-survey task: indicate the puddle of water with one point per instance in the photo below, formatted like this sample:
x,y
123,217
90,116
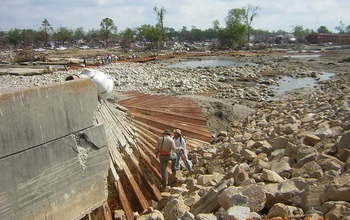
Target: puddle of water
x,y
208,63
303,56
287,83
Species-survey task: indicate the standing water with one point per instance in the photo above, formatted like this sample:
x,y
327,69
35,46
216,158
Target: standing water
x,y
209,63
288,83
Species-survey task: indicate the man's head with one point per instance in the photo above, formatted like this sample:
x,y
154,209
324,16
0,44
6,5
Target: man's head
x,y
177,133
167,132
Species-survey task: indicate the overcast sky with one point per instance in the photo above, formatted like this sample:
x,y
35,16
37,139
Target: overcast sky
x,y
274,14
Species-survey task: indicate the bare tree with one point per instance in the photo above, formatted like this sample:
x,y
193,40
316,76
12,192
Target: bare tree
x,y
47,28
251,12
160,15
160,12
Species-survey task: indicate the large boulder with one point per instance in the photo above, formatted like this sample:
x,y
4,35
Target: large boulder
x,y
252,196
305,154
343,147
256,197
279,210
311,140
187,216
271,176
237,212
232,196
175,209
330,163
337,210
285,211
280,143
154,215
336,192
204,180
309,170
205,216
239,174
248,155
288,192
282,167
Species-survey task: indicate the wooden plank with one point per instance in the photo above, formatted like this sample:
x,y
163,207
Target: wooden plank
x,y
107,212
136,189
121,194
154,189
124,201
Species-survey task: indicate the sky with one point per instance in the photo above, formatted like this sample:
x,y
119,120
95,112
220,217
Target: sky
x,y
273,14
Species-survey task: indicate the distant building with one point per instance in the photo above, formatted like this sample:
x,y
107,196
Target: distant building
x,y
318,38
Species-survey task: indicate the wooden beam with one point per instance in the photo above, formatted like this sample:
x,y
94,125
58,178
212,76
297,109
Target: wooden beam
x,y
124,201
136,189
154,189
121,194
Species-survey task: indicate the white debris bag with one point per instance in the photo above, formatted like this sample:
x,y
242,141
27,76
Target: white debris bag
x,y
103,82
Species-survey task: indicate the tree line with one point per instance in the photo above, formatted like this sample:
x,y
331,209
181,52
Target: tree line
x,y
235,32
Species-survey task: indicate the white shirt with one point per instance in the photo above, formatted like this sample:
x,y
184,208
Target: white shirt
x,y
180,143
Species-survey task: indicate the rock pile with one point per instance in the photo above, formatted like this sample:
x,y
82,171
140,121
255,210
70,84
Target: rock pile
x,y
290,159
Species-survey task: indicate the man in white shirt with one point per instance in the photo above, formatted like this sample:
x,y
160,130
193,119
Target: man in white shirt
x,y
181,151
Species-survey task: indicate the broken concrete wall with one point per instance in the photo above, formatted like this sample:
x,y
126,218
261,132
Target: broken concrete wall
x,y
53,159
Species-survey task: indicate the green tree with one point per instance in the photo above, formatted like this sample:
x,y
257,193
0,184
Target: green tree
x,y
233,35
79,33
63,35
150,33
47,28
300,33
170,33
28,36
127,36
323,29
107,28
14,36
196,34
235,16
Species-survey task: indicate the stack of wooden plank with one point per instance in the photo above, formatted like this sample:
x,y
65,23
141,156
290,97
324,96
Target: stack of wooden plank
x,y
132,136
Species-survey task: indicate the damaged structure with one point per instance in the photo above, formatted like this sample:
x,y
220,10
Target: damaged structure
x,y
65,155
53,158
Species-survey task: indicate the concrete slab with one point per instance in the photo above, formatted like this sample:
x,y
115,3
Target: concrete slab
x,y
53,182
34,116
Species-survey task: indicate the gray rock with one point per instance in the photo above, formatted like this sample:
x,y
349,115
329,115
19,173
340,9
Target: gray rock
x,y
254,216
232,197
279,210
281,167
206,179
237,212
187,216
155,215
280,143
175,209
252,196
271,176
205,216
256,197
343,147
